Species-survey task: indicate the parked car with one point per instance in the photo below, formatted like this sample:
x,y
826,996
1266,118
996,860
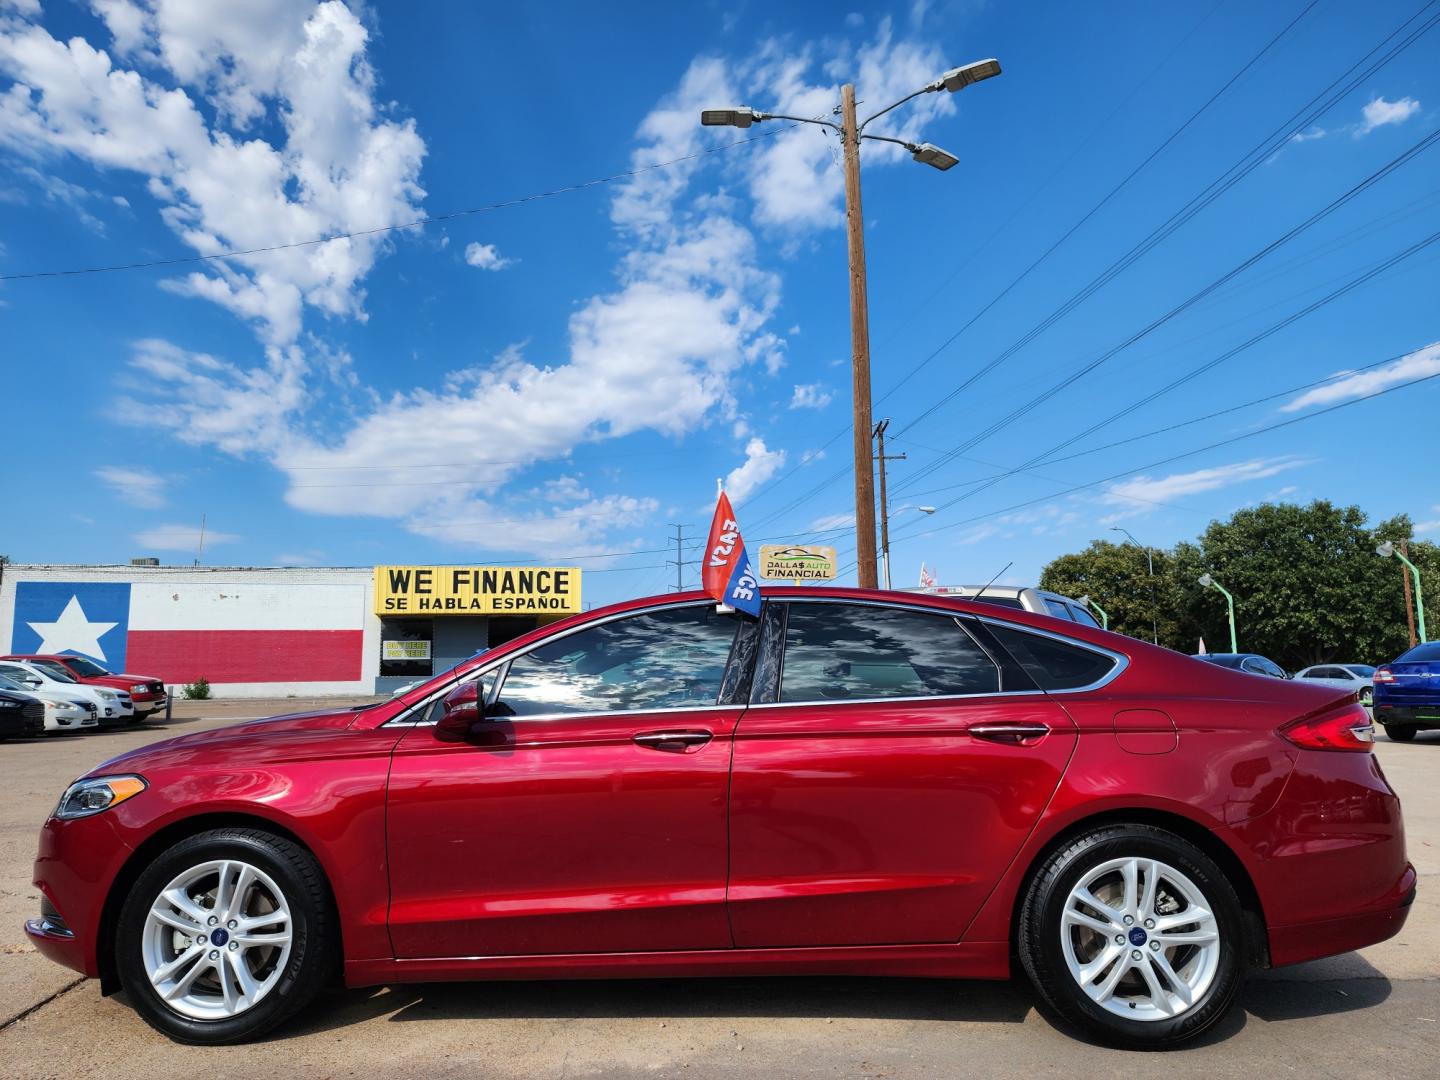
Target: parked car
x,y
113,707
147,693
1252,663
1357,678
1019,597
854,783
60,711
20,715
1407,692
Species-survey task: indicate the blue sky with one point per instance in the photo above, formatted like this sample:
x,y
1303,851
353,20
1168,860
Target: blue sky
x,y
560,379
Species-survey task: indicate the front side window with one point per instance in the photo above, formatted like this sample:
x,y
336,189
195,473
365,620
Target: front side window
x,y
1056,608
669,659
837,652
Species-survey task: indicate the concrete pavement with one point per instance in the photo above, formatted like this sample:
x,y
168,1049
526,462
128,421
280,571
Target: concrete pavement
x,y
1373,1012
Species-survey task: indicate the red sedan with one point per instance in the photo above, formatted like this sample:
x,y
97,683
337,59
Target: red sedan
x,y
147,693
857,782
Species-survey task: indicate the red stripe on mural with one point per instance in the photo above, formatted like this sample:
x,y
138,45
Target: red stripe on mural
x,y
246,656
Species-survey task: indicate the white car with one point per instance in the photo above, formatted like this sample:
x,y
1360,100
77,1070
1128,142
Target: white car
x,y
63,712
1358,678
113,706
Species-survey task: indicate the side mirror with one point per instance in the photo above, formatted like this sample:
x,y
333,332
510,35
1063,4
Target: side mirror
x,y
33,683
462,708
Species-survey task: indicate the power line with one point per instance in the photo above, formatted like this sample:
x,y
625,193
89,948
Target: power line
x,y
1214,362
1256,156
1314,219
429,219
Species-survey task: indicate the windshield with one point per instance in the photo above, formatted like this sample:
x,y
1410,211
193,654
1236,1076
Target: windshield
x,y
1428,651
85,667
53,668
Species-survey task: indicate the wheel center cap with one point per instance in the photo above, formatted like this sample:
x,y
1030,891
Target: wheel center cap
x,y
1137,935
220,937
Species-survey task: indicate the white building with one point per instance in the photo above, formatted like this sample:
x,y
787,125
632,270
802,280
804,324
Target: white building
x,y
276,631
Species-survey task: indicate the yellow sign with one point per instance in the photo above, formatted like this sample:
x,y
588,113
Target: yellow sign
x,y
477,590
404,650
797,563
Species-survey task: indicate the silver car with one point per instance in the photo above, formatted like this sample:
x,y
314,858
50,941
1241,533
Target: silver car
x,y
1018,596
1357,678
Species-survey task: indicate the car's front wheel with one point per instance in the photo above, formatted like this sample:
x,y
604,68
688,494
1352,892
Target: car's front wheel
x,y
225,935
1134,936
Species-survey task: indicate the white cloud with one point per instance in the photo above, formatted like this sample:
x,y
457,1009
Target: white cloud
x,y
810,396
1309,136
299,558
759,466
833,521
136,486
180,538
1379,113
565,489
1142,493
485,257
1416,365
335,166
1429,526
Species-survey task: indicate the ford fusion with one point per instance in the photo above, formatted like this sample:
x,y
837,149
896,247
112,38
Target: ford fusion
x,y
856,782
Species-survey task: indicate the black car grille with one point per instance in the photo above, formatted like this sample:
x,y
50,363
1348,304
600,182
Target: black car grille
x,y
92,709
157,688
33,715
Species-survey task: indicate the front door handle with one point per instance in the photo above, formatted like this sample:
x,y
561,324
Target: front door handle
x,y
674,742
1014,732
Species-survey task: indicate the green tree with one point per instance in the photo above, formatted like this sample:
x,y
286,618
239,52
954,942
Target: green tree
x,y
1308,585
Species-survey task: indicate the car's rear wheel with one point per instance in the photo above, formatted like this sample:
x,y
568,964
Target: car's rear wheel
x,y
1400,732
1134,936
225,935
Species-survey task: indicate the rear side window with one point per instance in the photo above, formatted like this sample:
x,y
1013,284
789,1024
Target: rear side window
x,y
999,601
838,652
1053,664
1080,615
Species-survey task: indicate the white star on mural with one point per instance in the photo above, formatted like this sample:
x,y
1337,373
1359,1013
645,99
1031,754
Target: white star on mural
x,y
73,632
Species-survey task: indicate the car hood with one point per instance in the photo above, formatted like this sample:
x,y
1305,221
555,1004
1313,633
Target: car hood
x,y
246,737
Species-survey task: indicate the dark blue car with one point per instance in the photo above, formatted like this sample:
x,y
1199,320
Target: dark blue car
x,y
1407,692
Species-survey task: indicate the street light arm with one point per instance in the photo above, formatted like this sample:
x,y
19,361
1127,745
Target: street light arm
x,y
912,147
931,88
798,119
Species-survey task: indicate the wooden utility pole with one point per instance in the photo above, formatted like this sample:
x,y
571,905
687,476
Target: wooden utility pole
x,y
859,346
1409,600
884,499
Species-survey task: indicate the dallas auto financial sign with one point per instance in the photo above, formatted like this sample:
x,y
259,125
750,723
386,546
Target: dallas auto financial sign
x,y
476,590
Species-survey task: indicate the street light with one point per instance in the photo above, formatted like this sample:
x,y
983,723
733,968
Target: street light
x,y
1154,603
851,132
1104,617
1387,549
1210,583
885,548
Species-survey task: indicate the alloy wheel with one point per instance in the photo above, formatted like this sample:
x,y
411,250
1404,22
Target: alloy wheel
x,y
1140,939
216,939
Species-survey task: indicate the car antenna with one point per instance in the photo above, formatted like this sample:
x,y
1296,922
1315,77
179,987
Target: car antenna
x,y
987,584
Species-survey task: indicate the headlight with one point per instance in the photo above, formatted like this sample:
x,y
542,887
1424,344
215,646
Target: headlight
x,y
106,695
62,706
86,797
138,688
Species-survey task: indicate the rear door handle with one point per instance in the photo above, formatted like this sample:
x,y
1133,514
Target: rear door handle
x,y
674,742
1015,732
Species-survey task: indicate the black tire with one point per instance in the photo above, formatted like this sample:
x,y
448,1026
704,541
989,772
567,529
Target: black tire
x,y
1039,936
313,945
1400,732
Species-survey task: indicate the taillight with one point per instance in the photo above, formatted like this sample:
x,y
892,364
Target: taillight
x,y
1384,674
1348,728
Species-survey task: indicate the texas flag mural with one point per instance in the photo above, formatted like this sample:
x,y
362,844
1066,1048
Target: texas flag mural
x,y
727,574
221,631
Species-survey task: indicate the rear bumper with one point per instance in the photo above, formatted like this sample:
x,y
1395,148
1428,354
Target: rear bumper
x,y
1418,715
1311,941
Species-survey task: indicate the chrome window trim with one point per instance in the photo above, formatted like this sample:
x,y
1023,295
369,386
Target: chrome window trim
x,y
502,665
